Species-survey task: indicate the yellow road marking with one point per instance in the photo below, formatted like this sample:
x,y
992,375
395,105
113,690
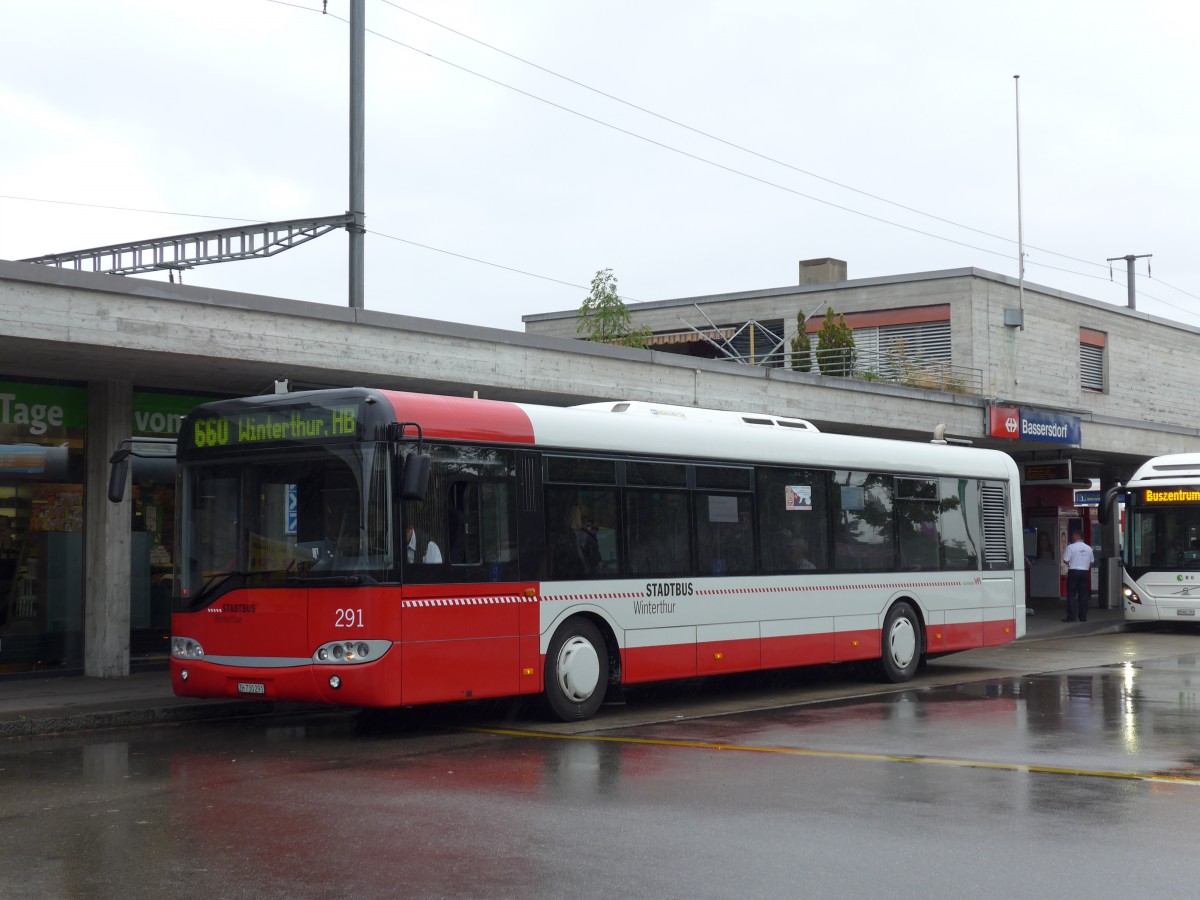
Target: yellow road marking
x,y
843,754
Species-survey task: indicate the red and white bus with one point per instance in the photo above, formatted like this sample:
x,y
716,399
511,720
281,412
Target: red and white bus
x,y
380,548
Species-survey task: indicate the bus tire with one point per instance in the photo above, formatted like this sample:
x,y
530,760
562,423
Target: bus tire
x,y
901,642
576,670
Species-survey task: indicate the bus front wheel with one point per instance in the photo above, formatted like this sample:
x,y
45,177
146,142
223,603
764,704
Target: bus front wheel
x,y
576,670
901,643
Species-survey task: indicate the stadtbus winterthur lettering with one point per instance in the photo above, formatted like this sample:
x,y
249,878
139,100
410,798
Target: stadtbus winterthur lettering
x,y
267,426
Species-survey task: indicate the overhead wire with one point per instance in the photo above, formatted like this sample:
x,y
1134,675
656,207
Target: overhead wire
x,y
732,170
729,143
718,165
485,262
685,153
764,156
157,212
662,145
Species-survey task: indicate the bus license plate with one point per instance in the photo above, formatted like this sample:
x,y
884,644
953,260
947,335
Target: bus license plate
x,y
1185,612
248,687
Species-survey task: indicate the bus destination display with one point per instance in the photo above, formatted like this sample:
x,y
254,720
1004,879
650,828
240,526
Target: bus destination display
x,y
270,426
1152,496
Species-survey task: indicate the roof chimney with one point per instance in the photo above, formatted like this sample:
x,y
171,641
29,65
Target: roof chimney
x,y
822,271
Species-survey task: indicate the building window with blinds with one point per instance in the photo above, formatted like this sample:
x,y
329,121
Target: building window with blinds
x,y
1092,345
903,352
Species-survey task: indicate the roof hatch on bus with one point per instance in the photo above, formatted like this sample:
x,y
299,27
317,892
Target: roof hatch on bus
x,y
696,414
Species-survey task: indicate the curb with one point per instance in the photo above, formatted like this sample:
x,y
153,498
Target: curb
x,y
38,725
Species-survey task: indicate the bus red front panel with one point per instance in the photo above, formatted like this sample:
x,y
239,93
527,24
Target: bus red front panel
x,y
260,644
211,680
352,614
257,626
369,684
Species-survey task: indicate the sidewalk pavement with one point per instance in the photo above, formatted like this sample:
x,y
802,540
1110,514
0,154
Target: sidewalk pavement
x,y
56,704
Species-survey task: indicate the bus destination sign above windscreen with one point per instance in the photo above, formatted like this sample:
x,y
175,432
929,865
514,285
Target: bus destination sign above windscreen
x,y
1157,496
251,427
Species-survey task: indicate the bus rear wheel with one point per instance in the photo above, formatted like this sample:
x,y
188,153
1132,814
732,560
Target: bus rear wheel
x,y
901,643
576,675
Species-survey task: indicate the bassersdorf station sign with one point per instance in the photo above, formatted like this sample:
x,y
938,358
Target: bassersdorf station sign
x,y
1016,423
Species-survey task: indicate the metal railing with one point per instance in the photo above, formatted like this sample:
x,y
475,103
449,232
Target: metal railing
x,y
891,368
887,368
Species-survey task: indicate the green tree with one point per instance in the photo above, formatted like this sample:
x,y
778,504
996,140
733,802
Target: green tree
x,y
801,345
604,317
835,345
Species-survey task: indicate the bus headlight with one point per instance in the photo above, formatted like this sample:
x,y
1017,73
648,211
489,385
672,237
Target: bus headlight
x,y
186,648
1130,594
350,652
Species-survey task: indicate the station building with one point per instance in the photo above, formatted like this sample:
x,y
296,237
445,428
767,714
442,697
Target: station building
x,y
1076,390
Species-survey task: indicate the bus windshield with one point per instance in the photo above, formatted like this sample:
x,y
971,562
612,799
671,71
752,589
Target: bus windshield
x,y
287,516
1162,537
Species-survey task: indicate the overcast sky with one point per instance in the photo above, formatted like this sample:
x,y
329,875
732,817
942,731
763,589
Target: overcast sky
x,y
500,177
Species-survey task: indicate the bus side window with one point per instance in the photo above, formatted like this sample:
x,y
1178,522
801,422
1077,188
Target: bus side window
x,y
724,533
469,513
958,524
581,532
866,522
793,509
463,524
917,524
657,533
423,539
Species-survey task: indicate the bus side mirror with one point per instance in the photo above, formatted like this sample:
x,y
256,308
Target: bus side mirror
x,y
415,481
118,474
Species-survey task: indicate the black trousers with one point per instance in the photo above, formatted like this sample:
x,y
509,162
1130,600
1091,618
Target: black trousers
x,y
1079,590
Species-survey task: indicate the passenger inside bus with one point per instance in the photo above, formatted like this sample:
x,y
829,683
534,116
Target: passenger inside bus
x,y
578,547
419,547
585,544
799,555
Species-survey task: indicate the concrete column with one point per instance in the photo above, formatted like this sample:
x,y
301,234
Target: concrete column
x,y
1109,596
107,537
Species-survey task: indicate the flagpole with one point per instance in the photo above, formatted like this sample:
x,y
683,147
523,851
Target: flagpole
x,y
1020,232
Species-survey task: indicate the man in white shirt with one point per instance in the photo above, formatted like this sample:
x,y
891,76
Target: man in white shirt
x,y
1079,559
432,553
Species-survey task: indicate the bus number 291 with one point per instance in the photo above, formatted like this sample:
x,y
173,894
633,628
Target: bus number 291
x,y
349,618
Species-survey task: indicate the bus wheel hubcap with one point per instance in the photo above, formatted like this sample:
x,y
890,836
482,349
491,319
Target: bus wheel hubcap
x,y
902,642
578,669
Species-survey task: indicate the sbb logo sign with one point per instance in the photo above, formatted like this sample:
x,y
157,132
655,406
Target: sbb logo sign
x,y
1004,422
